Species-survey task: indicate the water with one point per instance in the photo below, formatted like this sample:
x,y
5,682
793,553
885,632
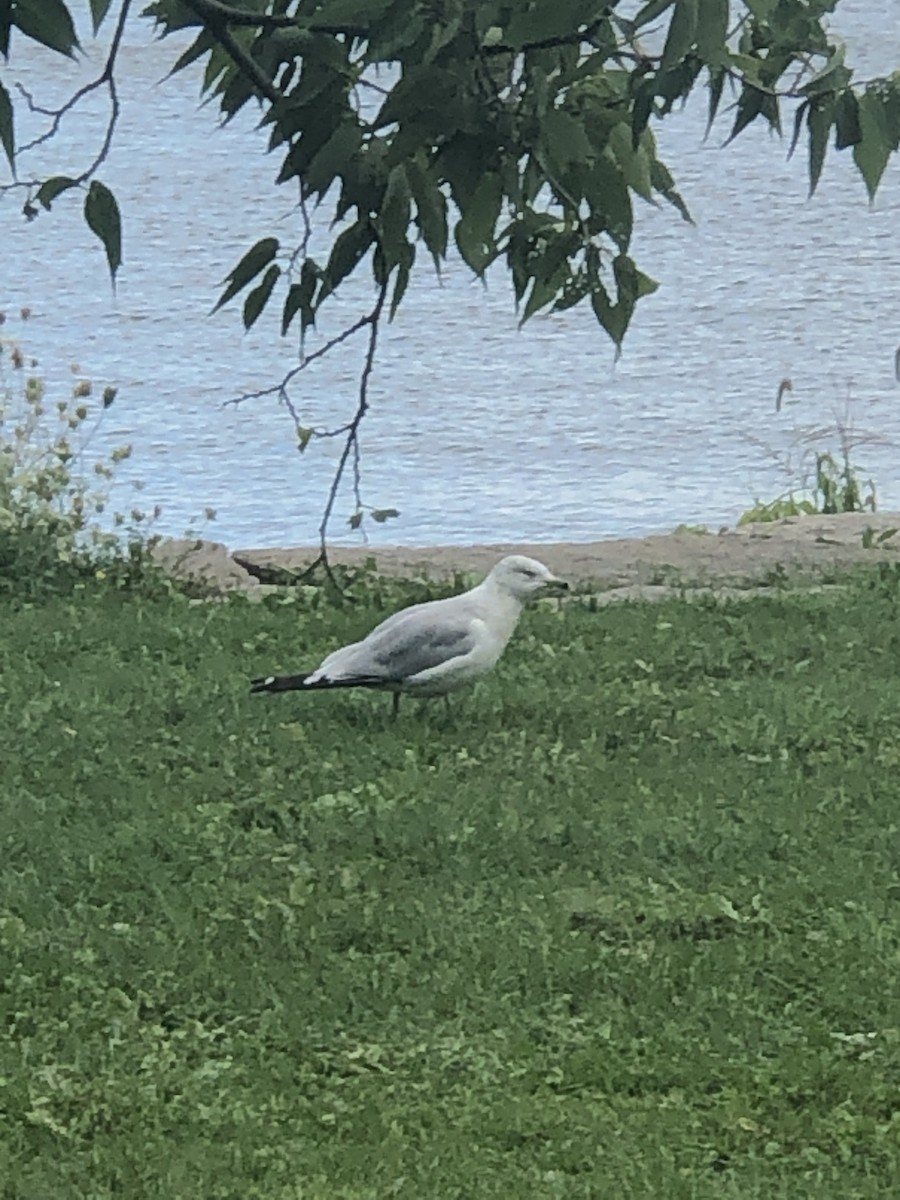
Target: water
x,y
478,431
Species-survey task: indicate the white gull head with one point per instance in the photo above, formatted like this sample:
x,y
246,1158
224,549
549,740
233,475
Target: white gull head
x,y
522,577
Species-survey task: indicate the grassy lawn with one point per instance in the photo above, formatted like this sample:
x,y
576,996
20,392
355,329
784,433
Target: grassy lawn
x,y
625,923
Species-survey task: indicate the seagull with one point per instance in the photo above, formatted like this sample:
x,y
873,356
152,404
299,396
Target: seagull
x,y
434,648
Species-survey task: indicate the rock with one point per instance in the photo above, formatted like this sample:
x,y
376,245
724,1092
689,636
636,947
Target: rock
x,y
206,563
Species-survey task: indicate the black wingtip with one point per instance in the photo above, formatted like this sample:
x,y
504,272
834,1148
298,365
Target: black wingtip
x,y
277,683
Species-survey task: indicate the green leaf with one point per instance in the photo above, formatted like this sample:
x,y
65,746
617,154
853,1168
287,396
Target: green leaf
x,y
610,316
848,131
47,22
384,514
248,268
661,178
431,209
573,292
550,268
818,122
332,159
7,133
299,297
872,152
258,299
749,106
99,9
477,228
716,83
53,187
610,201
633,284
236,94
677,83
798,125
642,107
292,305
712,29
393,219
202,44
532,23
682,31
749,67
400,27
102,215
404,269
346,253
833,76
543,291
564,140
633,161
650,12
355,520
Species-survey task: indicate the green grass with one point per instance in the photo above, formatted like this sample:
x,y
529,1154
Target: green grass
x,y
623,924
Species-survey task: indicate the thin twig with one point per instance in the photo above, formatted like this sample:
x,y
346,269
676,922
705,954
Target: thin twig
x,y
277,388
107,76
352,443
350,430
375,87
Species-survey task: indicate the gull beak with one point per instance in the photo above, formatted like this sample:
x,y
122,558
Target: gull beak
x,y
555,584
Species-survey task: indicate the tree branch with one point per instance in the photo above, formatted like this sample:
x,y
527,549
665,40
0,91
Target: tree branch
x,y
215,12
211,14
350,453
280,389
352,443
107,76
563,39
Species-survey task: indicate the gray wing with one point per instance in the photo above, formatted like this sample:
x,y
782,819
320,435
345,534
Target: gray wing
x,y
415,640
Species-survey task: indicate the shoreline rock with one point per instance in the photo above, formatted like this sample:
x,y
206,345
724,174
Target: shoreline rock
x,y
805,547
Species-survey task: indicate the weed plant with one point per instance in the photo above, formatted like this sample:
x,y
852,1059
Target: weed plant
x,y
52,492
819,463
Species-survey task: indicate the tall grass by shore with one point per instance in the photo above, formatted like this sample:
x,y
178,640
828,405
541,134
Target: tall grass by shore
x,y
623,923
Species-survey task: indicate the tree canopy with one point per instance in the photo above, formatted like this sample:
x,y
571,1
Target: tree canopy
x,y
511,131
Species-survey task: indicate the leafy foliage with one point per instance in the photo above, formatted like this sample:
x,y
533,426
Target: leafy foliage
x,y
517,132
837,488
50,494
820,464
637,893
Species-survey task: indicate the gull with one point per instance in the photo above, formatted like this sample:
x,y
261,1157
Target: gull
x,y
434,648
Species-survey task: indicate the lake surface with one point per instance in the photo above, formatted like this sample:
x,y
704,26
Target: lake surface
x,y
478,431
